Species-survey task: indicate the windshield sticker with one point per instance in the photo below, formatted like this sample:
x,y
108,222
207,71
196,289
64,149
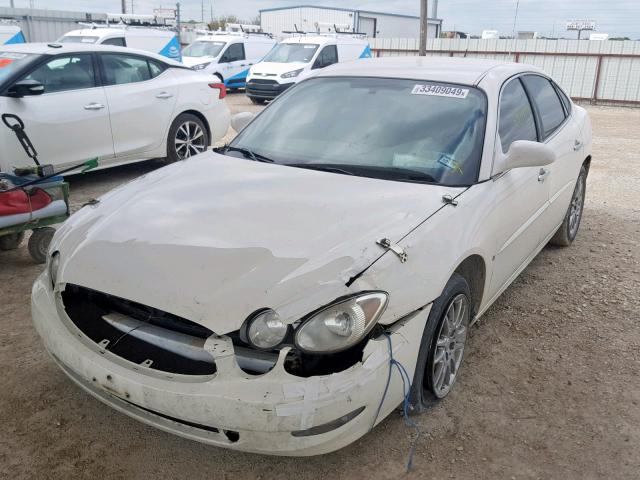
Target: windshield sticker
x,y
449,162
13,55
309,46
5,62
440,91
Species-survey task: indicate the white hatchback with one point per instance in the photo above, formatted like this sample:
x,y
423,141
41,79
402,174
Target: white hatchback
x,y
329,267
116,104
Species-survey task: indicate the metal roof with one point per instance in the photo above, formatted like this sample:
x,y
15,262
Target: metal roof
x,y
340,9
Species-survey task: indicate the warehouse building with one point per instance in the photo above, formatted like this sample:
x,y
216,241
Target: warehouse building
x,y
309,18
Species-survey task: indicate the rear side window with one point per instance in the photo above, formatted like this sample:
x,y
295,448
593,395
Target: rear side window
x,y
234,53
516,116
117,41
328,56
122,69
565,100
547,102
73,72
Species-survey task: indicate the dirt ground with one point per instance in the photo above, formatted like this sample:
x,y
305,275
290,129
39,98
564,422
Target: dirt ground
x,y
550,387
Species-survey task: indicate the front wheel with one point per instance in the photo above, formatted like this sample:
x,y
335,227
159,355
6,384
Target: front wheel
x,y
187,137
442,347
568,231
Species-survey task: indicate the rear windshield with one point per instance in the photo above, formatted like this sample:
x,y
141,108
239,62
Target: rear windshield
x,y
78,39
11,62
292,52
203,49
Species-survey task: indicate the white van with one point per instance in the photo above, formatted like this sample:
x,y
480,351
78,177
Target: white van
x,y
160,40
227,55
296,58
10,33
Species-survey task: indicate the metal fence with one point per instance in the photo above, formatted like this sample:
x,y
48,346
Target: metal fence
x,y
594,71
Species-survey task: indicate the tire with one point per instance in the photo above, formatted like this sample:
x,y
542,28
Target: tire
x,y
187,137
568,231
440,348
39,243
257,101
11,242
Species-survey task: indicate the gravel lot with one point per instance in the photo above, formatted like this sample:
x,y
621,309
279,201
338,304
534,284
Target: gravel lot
x,y
550,386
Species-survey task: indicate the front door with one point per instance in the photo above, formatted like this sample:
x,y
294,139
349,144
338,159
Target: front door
x,y
234,66
68,123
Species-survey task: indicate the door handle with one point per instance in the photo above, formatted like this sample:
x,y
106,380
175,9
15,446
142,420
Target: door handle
x,y
164,95
577,145
94,106
543,174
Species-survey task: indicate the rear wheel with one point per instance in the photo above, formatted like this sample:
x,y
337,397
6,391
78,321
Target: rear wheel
x,y
442,347
187,137
11,242
39,243
568,231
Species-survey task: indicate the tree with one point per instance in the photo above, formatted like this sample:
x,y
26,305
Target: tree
x,y
220,23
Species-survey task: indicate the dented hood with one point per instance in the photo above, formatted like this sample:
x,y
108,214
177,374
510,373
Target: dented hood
x,y
215,238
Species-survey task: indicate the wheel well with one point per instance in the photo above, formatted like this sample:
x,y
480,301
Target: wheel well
x,y
473,270
203,119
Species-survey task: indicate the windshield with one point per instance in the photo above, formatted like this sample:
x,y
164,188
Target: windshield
x,y
396,129
203,49
292,52
11,62
77,39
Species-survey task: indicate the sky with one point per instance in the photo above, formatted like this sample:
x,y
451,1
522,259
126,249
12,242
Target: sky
x,y
548,17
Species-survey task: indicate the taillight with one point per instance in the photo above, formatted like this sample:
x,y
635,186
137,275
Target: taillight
x,y
222,90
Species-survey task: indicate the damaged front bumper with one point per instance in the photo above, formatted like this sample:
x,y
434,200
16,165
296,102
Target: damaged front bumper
x,y
274,413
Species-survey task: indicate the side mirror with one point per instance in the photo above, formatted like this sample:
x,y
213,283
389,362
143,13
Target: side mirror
x,y
241,120
25,88
524,153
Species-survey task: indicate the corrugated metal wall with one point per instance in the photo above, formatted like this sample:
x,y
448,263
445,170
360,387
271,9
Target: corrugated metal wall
x,y
306,19
602,71
393,26
40,25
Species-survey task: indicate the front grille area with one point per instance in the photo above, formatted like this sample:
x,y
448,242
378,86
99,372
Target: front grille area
x,y
263,82
86,309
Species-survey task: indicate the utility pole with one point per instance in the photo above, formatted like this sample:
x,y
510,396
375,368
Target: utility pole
x,y
202,10
124,6
11,4
178,17
423,28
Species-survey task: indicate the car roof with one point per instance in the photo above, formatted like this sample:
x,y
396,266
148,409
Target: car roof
x,y
467,71
61,48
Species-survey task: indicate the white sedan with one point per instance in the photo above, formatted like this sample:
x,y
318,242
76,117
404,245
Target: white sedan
x,y
287,292
79,102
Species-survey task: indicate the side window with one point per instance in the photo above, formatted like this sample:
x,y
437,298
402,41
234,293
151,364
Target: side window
x,y
156,68
73,72
516,117
328,56
117,41
234,53
120,69
547,101
565,100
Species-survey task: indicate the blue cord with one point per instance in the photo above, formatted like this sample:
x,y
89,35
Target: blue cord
x,y
406,391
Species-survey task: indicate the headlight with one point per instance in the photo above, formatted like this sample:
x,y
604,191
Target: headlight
x,y
264,330
341,325
201,66
292,74
54,261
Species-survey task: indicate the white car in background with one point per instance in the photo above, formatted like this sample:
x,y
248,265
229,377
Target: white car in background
x,y
329,267
227,55
117,104
296,58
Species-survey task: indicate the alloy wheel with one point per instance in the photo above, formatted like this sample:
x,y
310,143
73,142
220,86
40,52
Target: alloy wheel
x,y
190,140
449,348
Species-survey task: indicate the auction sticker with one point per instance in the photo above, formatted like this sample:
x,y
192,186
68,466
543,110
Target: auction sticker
x,y
440,91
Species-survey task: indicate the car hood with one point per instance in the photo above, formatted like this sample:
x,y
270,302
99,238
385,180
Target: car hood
x,y
263,68
214,238
191,61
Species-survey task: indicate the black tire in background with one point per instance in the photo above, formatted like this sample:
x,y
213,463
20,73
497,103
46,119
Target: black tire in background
x,y
11,242
39,243
257,101
179,131
568,231
424,391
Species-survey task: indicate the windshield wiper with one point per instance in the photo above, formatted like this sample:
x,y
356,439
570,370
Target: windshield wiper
x,y
322,168
256,157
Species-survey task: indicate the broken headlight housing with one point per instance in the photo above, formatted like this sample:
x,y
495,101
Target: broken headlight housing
x,y
264,330
342,324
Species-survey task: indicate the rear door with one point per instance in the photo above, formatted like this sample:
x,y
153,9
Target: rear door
x,y
560,132
69,122
521,195
234,65
141,94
